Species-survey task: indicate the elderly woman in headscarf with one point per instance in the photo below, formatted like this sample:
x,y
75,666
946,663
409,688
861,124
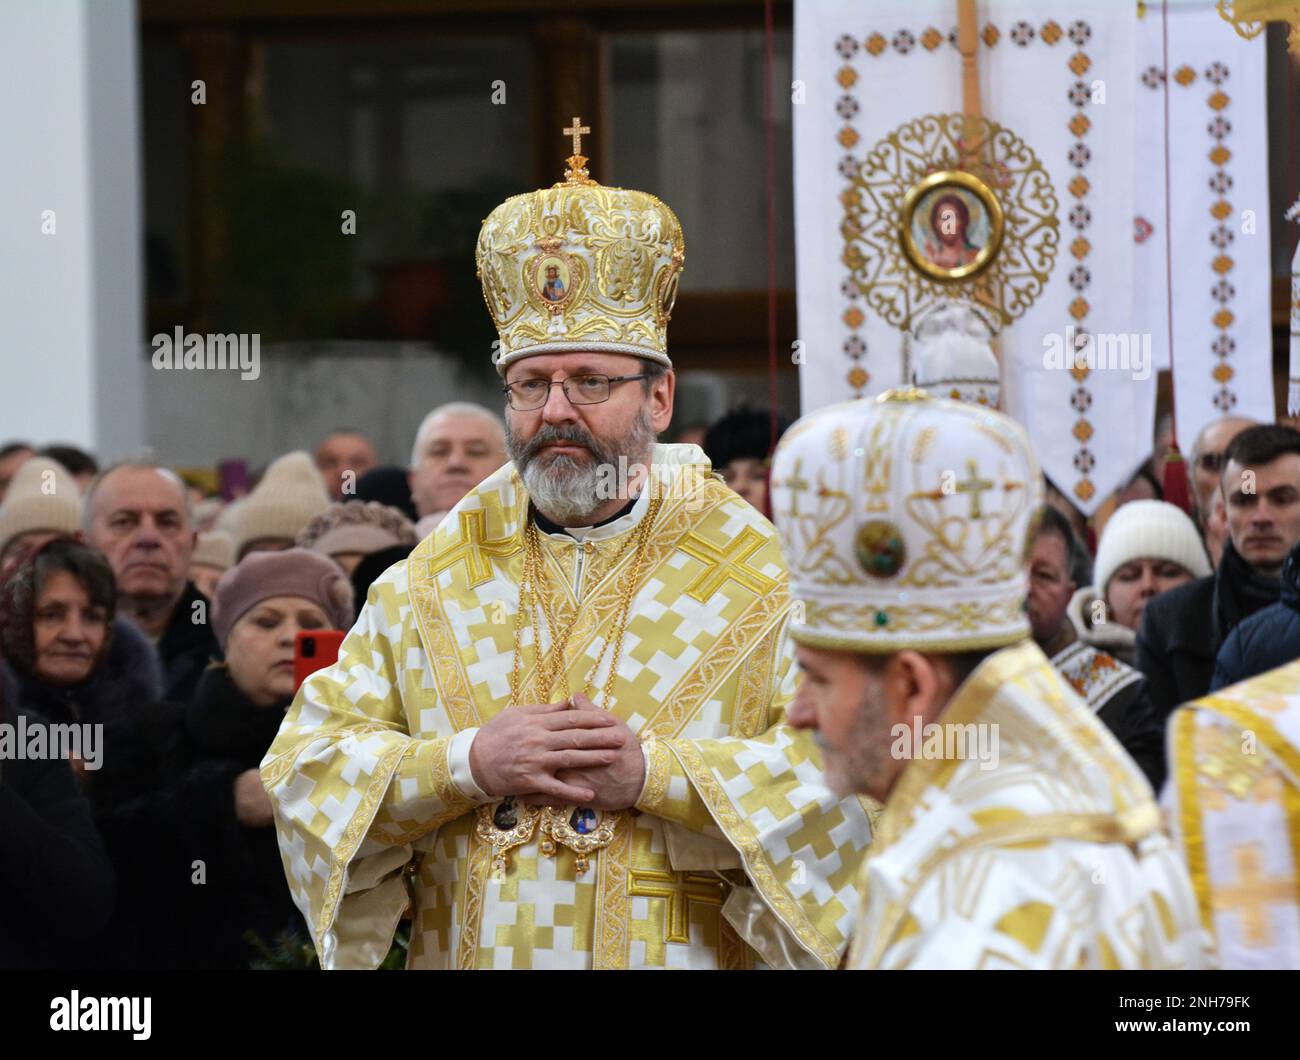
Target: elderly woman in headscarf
x,y
68,655
183,810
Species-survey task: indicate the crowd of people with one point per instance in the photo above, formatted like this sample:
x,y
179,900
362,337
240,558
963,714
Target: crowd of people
x,y
134,607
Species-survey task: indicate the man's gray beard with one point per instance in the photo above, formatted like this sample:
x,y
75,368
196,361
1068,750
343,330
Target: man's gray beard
x,y
566,490
861,767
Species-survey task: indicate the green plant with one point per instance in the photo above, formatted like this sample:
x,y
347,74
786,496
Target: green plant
x,y
292,951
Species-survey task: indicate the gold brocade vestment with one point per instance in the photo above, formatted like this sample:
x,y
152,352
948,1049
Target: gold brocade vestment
x,y
1234,804
735,853
1049,853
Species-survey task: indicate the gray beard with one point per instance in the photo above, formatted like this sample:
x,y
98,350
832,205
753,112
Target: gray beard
x,y
564,491
861,767
569,491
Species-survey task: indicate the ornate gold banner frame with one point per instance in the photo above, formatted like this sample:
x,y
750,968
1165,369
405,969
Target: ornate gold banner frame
x,y
1000,205
1250,18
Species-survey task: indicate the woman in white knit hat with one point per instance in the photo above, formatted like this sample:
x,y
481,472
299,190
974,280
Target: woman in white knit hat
x,y
43,503
290,494
1147,548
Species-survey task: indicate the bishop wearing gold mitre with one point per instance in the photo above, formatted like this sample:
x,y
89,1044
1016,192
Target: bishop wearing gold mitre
x,y
557,731
1234,802
1016,833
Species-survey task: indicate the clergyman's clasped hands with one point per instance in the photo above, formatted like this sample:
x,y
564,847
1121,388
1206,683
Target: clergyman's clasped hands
x,y
568,753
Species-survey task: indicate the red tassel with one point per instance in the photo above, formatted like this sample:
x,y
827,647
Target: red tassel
x,y
1176,485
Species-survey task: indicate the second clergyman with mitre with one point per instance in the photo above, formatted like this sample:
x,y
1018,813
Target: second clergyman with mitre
x,y
557,731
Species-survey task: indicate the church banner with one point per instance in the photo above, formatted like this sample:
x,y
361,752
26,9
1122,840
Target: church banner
x,y
1218,250
1057,79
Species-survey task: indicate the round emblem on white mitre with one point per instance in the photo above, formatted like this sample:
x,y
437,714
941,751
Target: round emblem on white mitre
x,y
880,549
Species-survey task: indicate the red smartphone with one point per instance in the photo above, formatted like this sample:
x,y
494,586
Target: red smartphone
x,y
314,650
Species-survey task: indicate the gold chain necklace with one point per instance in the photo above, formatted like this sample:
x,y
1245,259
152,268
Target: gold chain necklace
x,y
533,598
554,664
586,831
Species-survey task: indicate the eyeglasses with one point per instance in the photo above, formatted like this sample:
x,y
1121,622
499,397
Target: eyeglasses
x,y
1210,462
529,394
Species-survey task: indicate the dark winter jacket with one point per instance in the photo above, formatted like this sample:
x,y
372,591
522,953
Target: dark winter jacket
x,y
56,884
186,646
194,880
1267,639
1183,629
128,678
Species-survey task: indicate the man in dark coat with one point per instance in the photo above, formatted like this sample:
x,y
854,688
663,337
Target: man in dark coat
x,y
137,514
1267,639
1114,691
1183,629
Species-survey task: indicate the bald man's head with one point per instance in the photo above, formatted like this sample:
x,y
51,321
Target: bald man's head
x,y
138,515
1207,459
457,446
341,453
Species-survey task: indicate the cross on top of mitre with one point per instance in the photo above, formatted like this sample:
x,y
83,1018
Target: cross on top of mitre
x,y
576,175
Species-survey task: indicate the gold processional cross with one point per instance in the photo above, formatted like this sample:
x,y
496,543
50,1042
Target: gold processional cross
x,y
474,549
679,889
729,564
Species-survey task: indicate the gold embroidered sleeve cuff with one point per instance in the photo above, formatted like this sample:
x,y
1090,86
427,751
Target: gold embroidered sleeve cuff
x,y
656,775
668,792
421,795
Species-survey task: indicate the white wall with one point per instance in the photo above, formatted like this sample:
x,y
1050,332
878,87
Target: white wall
x,y
303,391
70,301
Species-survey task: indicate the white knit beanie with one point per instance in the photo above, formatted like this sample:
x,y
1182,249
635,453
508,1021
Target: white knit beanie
x,y
215,548
290,494
1148,528
42,496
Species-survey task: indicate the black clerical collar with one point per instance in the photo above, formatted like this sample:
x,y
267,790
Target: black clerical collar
x,y
546,526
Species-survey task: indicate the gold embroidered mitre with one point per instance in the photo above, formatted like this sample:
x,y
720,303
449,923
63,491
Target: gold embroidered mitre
x,y
580,266
905,521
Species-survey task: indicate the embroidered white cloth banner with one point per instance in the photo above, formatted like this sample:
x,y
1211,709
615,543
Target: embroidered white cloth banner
x,y
1060,76
1219,207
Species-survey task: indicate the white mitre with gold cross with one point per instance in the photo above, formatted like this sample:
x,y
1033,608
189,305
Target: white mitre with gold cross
x,y
905,520
1234,806
580,267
